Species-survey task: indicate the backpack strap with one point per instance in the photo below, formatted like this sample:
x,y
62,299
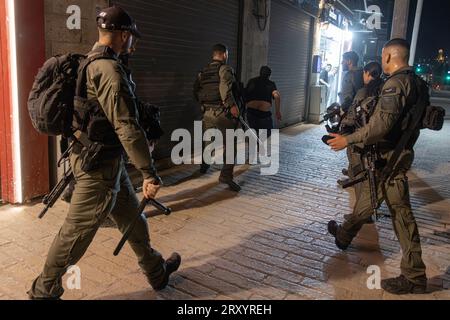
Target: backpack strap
x,y
417,112
98,54
82,107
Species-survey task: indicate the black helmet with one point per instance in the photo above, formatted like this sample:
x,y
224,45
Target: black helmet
x,y
116,18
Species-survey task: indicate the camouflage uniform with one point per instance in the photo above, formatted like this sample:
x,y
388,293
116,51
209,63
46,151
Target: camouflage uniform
x,y
385,129
106,190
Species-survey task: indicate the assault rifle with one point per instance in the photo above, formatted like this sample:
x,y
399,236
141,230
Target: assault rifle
x,y
239,98
371,165
50,199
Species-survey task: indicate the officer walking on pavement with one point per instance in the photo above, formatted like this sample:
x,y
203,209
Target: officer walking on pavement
x,y
107,189
385,129
213,89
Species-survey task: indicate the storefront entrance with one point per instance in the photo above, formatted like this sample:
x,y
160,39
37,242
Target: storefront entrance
x,y
335,40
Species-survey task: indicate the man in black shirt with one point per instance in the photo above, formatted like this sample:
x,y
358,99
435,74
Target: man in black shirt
x,y
260,93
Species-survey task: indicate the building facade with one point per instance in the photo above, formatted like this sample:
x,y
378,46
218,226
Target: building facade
x,y
178,36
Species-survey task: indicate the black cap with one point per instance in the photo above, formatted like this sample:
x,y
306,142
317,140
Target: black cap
x,y
116,18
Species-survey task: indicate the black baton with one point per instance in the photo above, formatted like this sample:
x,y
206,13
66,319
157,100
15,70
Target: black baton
x,y
127,234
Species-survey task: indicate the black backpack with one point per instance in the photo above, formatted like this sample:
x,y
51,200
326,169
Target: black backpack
x,y
51,100
432,117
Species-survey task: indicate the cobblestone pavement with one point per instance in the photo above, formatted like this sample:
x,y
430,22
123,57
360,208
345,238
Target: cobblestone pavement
x,y
268,242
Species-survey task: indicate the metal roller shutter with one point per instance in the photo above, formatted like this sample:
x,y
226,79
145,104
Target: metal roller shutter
x,y
290,51
176,45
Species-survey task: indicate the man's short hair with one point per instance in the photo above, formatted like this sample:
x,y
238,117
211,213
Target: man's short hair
x,y
219,48
402,44
398,42
351,56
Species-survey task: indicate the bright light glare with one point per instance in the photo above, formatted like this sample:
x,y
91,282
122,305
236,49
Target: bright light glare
x,y
18,194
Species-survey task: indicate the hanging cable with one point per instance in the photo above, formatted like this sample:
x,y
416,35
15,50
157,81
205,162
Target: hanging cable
x,y
261,14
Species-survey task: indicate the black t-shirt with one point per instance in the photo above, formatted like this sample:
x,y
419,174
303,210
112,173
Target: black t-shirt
x,y
260,89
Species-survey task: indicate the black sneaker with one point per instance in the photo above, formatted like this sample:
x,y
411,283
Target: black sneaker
x,y
233,185
401,285
204,168
172,265
333,228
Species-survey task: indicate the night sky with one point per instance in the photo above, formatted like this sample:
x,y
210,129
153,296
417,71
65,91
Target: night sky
x,y
435,29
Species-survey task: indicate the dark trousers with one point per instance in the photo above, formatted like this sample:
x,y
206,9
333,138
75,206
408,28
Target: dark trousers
x,y
260,120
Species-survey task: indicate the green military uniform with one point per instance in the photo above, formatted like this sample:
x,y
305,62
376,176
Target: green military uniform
x,y
353,81
385,129
106,190
213,89
350,121
362,108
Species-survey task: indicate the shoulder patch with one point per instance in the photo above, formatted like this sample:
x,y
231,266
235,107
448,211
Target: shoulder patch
x,y
391,90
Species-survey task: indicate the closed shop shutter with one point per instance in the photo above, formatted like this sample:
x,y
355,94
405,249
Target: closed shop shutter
x,y
176,45
290,51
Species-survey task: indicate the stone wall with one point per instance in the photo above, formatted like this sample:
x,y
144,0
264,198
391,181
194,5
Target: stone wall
x,y
59,38
255,49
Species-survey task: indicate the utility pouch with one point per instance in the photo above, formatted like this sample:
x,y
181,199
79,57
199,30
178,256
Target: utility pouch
x,y
90,157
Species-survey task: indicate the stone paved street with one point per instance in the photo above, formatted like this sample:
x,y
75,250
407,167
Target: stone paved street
x,y
268,242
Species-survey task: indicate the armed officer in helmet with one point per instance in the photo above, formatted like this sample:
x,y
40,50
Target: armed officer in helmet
x,y
105,188
392,117
213,89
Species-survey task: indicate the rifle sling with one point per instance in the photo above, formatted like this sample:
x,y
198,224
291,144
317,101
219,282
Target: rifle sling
x,y
405,139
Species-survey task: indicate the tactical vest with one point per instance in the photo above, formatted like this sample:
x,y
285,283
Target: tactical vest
x,y
209,84
89,116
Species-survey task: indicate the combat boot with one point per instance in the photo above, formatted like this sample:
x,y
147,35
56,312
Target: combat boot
x,y
171,265
333,228
230,182
401,285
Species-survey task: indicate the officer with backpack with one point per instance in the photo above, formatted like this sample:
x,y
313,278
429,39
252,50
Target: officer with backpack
x,y
394,128
106,116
